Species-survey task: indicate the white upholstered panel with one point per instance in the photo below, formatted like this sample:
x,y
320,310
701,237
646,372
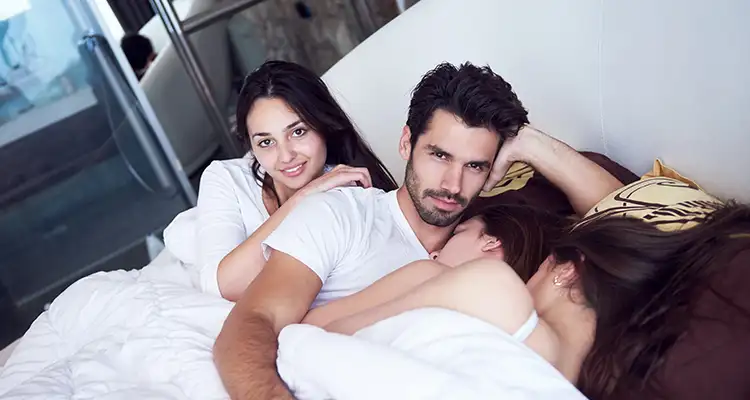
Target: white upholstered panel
x,y
635,80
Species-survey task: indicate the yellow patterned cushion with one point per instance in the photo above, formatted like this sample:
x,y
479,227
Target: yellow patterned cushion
x,y
660,169
515,179
668,203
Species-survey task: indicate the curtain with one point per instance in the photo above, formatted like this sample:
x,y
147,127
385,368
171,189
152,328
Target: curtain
x,y
132,14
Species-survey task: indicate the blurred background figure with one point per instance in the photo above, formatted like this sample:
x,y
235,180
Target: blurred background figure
x,y
139,50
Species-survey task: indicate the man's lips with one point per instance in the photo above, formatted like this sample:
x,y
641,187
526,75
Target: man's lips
x,y
445,203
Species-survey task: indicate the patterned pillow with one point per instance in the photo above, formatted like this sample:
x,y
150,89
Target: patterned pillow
x,y
522,185
667,203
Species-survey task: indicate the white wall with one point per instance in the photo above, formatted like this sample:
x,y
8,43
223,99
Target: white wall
x,y
676,85
11,8
634,79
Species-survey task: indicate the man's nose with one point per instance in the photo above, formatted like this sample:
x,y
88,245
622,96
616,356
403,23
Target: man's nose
x,y
452,180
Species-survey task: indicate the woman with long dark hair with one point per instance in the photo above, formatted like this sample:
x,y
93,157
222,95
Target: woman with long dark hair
x,y
300,142
604,308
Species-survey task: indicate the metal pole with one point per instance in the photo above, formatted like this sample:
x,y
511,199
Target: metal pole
x,y
96,45
90,14
185,51
200,21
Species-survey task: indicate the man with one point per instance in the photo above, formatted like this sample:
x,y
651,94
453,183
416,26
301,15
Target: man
x,y
337,243
139,51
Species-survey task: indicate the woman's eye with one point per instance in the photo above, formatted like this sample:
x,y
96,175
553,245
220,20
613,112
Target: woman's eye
x,y
265,143
298,132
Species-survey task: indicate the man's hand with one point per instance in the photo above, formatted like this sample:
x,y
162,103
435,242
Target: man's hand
x,y
510,152
245,351
583,181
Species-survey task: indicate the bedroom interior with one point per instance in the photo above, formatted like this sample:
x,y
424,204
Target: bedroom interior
x,y
632,82
71,152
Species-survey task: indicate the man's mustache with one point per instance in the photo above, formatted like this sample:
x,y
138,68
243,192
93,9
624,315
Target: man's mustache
x,y
446,195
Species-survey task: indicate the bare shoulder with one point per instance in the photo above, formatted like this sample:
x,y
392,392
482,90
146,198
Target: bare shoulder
x,y
424,268
492,291
496,277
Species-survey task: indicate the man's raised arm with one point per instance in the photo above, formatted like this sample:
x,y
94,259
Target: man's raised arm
x,y
245,351
583,181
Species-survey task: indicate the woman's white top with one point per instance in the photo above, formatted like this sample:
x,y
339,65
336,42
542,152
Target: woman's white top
x,y
230,208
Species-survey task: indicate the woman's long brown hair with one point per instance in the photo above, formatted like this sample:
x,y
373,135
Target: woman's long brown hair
x,y
306,94
526,234
642,284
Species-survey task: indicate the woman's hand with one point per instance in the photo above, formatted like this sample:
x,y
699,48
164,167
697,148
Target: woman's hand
x,y
341,175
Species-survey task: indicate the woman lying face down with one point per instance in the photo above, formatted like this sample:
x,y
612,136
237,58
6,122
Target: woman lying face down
x,y
612,297
517,235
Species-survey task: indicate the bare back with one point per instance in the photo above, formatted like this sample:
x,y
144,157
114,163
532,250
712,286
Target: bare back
x,y
486,289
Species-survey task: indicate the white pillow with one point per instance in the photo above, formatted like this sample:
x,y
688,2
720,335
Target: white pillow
x,y
180,236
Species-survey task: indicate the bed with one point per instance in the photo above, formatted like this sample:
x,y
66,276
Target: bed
x,y
586,75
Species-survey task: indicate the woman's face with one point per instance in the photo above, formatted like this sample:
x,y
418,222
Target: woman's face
x,y
288,150
469,242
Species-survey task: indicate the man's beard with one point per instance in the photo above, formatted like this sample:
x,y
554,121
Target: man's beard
x,y
435,217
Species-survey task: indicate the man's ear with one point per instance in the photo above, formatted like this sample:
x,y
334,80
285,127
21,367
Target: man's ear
x,y
404,145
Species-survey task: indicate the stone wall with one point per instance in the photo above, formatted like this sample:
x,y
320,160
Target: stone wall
x,y
318,42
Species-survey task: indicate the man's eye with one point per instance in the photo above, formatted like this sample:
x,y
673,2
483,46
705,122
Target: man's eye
x,y
440,155
475,166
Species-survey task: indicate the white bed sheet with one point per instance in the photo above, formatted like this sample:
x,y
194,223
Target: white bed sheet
x,y
144,334
428,353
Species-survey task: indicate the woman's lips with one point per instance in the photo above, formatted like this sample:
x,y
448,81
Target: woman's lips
x,y
293,171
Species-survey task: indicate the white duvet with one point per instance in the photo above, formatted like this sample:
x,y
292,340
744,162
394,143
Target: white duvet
x,y
122,335
420,354
148,335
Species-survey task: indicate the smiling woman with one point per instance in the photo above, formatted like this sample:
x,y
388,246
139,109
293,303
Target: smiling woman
x,y
291,153
300,142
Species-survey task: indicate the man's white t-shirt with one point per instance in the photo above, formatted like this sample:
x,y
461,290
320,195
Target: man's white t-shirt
x,y
350,237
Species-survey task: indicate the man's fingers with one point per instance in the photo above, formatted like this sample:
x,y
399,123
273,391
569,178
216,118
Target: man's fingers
x,y
499,169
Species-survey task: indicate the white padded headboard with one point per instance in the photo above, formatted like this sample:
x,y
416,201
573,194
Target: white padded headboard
x,y
636,79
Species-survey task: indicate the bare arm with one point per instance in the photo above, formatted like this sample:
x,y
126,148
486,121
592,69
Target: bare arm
x,y
583,181
238,268
245,351
222,229
485,289
385,289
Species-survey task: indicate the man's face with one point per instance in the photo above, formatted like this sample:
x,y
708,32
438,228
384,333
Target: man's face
x,y
447,167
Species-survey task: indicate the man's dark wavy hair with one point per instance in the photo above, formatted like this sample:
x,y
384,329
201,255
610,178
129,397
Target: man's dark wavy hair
x,y
477,95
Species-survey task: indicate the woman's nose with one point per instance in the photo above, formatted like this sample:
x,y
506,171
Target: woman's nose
x,y
286,153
